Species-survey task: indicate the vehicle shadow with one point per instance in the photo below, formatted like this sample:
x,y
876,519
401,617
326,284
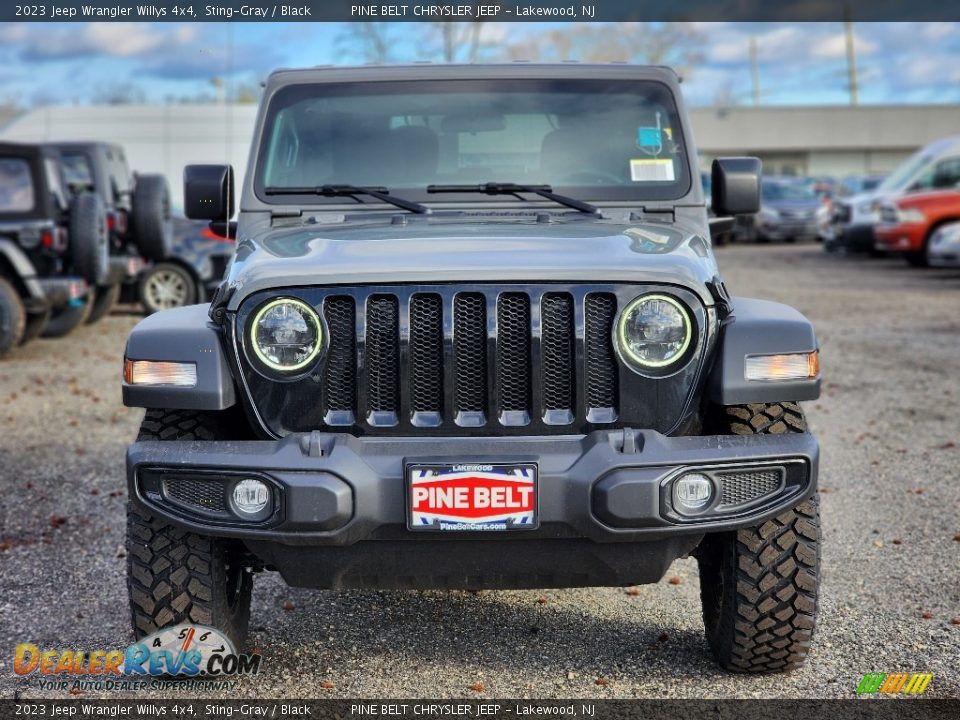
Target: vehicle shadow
x,y
605,632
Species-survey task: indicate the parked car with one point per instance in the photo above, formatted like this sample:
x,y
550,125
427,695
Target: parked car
x,y
473,369
192,272
857,184
788,211
137,209
907,223
944,247
934,167
52,246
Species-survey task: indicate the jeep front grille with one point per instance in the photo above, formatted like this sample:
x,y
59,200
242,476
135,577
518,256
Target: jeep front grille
x,y
469,359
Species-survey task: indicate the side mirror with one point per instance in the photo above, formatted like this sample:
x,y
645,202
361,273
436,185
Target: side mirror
x,y
735,186
208,192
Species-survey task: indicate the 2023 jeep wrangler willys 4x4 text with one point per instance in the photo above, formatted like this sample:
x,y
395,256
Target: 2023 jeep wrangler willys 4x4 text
x,y
474,336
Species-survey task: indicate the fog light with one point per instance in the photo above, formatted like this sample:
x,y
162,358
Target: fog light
x,y
692,493
250,497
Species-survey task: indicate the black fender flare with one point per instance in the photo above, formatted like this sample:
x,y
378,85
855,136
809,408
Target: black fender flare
x,y
760,327
25,273
182,335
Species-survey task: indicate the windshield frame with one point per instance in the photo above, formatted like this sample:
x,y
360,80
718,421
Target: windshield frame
x,y
628,195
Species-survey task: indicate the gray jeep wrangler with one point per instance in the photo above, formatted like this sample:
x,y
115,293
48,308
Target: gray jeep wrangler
x,y
474,336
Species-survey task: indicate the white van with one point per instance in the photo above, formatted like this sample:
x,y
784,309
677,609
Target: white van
x,y
933,167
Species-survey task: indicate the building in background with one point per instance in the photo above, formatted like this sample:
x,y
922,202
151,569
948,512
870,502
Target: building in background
x,y
804,140
833,140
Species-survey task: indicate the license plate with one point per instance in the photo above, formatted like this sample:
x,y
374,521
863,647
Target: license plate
x,y
472,497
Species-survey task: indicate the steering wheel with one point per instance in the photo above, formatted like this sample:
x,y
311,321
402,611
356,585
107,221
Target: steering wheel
x,y
590,177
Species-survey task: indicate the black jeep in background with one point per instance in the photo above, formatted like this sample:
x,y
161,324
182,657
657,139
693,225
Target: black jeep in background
x,y
52,245
137,208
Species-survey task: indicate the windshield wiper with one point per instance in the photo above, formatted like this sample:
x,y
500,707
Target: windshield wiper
x,y
380,193
492,188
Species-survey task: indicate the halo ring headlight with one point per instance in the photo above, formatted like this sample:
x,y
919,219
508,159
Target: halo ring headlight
x,y
286,335
654,331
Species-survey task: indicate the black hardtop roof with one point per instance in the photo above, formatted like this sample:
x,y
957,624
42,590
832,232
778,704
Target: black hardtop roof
x,y
26,150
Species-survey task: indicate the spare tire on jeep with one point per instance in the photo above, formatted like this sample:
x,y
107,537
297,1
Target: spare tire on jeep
x,y
152,225
89,240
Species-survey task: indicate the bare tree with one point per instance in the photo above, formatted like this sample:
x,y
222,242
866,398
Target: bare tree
x,y
367,41
676,44
454,41
125,93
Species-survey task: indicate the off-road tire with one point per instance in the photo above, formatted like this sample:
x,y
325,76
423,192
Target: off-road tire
x,y
36,322
89,238
105,297
64,320
175,576
13,317
151,216
759,585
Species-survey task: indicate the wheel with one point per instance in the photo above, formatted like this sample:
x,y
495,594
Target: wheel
x,y
165,286
36,322
175,576
759,585
152,222
64,320
13,318
104,299
89,238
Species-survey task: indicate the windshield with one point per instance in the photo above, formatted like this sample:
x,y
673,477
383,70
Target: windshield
x,y
787,191
16,186
595,139
899,177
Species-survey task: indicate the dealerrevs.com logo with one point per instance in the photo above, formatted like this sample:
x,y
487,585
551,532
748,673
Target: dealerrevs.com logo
x,y
894,683
179,652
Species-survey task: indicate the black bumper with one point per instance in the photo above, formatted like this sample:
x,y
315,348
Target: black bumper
x,y
340,517
854,238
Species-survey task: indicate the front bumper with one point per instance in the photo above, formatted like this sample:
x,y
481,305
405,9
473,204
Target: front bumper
x,y
336,489
340,519
900,238
853,238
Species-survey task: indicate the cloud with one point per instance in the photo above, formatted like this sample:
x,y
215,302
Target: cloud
x,y
834,47
89,40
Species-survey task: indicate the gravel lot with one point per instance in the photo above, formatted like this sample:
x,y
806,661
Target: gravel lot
x,y
890,437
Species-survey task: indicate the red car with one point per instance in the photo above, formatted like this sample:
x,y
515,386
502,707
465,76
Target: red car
x,y
907,222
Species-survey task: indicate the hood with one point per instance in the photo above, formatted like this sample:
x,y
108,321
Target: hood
x,y
428,250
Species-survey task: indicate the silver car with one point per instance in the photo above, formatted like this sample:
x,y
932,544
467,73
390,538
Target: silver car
x,y
944,248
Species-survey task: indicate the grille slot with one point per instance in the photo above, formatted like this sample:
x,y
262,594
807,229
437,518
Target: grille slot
x,y
513,358
747,486
558,358
601,365
340,371
426,358
383,360
470,357
196,494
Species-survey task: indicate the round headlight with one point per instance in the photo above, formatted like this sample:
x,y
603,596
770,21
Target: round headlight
x,y
285,334
654,331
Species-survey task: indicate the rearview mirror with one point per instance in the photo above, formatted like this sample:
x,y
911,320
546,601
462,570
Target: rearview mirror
x,y
735,186
208,192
